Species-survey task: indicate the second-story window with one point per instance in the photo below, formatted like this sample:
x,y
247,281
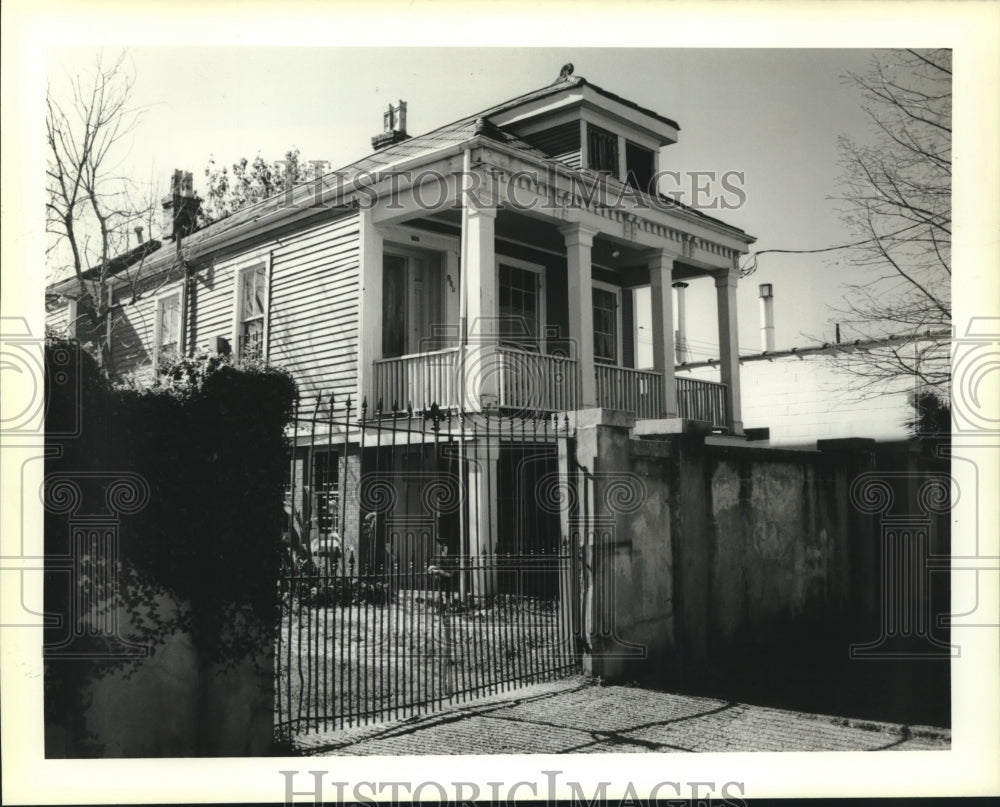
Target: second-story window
x,y
605,326
252,307
602,150
412,302
168,325
639,167
518,303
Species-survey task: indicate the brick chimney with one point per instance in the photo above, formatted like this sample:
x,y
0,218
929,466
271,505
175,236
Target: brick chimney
x,y
394,121
180,207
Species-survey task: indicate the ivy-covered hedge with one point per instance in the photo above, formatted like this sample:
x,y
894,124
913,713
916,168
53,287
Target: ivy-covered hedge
x,y
208,441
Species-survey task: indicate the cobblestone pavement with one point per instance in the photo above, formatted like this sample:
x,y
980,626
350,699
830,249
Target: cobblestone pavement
x,y
577,716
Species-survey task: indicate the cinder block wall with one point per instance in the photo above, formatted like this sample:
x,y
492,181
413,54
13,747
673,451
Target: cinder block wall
x,y
802,400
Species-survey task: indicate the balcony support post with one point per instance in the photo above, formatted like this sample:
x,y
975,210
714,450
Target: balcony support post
x,y
729,354
579,241
661,265
478,305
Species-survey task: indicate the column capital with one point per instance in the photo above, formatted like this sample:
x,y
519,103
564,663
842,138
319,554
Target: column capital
x,y
726,277
577,234
660,258
478,207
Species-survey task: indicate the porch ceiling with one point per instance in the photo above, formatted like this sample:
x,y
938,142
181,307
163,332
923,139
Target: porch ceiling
x,y
629,262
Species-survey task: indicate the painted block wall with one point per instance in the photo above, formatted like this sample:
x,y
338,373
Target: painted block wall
x,y
802,400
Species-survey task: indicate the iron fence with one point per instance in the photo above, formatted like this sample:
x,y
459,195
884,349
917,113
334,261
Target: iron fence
x,y
358,646
446,575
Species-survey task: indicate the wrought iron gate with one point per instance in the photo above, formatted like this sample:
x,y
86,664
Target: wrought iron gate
x,y
446,575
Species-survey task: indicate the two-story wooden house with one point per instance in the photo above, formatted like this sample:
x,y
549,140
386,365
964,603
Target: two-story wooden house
x,y
490,263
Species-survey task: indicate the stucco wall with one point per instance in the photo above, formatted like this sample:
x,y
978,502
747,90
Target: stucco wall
x,y
777,546
170,703
716,545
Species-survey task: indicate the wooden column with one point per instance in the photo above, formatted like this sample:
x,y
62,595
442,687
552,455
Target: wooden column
x,y
479,299
579,241
370,307
729,353
661,265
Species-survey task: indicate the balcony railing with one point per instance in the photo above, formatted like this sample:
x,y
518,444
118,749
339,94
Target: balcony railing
x,y
418,380
635,391
516,379
535,382
703,400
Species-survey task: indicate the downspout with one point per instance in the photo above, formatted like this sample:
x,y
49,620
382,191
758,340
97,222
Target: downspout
x,y
463,337
188,274
107,324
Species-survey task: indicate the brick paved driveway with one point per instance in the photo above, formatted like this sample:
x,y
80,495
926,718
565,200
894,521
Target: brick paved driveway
x,y
577,716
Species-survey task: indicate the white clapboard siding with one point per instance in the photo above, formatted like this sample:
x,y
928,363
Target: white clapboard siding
x,y
312,311
133,323
57,318
313,322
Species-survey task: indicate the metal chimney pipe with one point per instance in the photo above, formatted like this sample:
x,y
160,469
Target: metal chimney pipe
x,y
680,332
766,317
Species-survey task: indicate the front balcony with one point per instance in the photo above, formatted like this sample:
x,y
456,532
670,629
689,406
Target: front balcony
x,y
525,294
527,382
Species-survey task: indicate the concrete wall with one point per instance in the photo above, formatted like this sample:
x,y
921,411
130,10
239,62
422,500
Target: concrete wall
x,y
172,703
623,529
714,545
773,542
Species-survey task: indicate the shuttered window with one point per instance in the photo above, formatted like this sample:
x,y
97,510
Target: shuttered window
x,y
168,315
602,150
252,306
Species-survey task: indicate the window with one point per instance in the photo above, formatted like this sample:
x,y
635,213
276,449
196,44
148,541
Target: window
x,y
412,303
394,306
605,325
326,492
168,328
602,150
639,167
519,307
252,311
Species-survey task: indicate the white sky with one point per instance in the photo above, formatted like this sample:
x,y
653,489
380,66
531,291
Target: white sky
x,y
772,114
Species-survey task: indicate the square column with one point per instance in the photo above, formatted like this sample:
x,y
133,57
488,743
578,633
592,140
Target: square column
x,y
483,502
478,305
661,266
729,352
370,307
579,241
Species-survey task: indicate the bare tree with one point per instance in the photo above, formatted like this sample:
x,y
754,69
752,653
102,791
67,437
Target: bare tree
x,y
897,199
92,211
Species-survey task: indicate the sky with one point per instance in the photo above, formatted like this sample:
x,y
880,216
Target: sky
x,y
774,115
